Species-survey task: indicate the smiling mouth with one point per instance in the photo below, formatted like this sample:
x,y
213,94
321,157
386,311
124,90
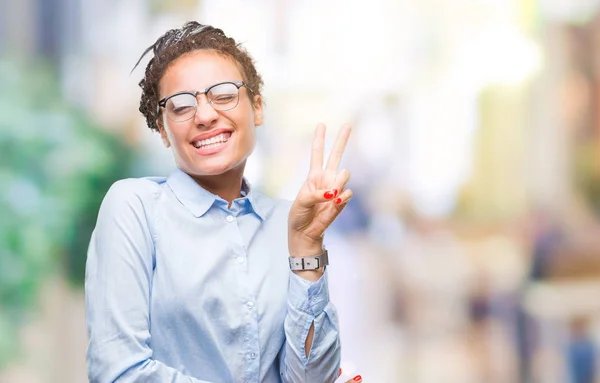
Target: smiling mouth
x,y
212,142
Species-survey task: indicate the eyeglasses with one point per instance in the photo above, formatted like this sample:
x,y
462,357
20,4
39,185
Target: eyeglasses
x,y
223,96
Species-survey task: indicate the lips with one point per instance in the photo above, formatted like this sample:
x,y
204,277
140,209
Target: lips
x,y
211,133
211,142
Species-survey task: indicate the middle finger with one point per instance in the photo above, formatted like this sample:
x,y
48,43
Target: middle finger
x,y
335,157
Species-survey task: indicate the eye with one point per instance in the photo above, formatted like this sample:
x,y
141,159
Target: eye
x,y
224,98
181,104
181,109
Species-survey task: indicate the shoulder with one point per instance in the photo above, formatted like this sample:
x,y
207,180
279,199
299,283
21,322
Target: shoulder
x,y
133,192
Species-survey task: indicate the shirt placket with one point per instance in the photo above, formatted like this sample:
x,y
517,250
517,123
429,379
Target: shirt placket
x,y
251,342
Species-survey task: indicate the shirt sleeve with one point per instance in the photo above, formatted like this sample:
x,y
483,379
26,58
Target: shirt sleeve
x,y
118,280
308,302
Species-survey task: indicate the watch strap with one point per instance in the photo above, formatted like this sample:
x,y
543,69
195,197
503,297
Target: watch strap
x,y
309,263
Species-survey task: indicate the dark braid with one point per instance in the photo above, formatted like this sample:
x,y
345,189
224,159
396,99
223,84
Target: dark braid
x,y
175,43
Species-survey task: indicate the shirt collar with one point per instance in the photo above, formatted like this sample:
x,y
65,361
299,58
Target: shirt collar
x,y
198,200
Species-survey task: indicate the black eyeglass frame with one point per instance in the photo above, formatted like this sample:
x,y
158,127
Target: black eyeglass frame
x,y
238,84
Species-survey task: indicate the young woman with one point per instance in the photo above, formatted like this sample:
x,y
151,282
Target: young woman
x,y
197,277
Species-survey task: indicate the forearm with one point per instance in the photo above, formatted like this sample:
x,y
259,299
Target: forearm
x,y
312,350
304,248
309,339
321,362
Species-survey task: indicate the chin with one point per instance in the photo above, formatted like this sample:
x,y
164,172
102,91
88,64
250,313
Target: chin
x,y
214,169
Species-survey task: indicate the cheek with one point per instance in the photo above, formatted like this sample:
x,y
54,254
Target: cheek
x,y
176,139
249,137
174,132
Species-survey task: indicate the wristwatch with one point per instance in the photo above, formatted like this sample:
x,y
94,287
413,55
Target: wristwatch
x,y
309,263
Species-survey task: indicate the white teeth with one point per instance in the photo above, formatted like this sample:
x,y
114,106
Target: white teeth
x,y
211,142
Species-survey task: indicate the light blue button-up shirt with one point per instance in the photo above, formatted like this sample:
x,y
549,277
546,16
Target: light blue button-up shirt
x,y
182,288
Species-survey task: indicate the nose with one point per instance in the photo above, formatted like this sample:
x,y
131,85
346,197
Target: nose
x,y
205,115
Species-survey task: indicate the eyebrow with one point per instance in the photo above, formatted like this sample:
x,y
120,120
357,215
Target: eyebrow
x,y
204,90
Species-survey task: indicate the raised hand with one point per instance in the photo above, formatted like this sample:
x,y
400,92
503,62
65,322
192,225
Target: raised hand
x,y
321,198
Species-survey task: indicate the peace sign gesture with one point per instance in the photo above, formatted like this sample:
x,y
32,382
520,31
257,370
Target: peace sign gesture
x,y
321,198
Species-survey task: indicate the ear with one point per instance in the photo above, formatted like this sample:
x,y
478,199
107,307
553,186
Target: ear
x,y
163,132
258,110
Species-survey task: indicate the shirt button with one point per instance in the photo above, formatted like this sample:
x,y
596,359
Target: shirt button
x,y
253,355
239,259
229,218
250,304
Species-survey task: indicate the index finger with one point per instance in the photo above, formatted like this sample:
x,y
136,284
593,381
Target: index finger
x,y
316,155
335,157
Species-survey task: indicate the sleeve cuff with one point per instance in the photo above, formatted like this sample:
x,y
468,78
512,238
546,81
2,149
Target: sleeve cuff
x,y
308,297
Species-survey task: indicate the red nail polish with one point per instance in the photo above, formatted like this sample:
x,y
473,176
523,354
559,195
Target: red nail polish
x,y
357,378
328,195
338,201
335,192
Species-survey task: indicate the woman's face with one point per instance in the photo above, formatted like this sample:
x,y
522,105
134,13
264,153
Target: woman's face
x,y
233,130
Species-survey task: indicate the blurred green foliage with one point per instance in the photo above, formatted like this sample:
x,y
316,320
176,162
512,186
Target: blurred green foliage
x,y
55,167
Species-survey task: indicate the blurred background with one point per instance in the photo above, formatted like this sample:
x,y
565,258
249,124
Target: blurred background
x,y
471,250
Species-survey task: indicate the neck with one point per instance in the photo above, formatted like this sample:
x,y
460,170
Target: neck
x,y
226,186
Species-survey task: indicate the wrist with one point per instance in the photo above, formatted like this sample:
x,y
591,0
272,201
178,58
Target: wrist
x,y
309,263
305,247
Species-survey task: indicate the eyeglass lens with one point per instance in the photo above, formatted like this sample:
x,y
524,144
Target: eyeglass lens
x,y
221,97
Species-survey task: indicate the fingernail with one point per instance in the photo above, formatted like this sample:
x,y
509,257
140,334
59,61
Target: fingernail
x,y
357,378
335,192
328,195
338,201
